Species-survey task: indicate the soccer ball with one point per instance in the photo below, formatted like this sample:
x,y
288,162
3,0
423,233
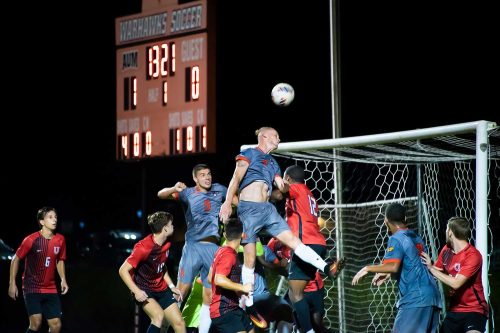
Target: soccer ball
x,y
282,94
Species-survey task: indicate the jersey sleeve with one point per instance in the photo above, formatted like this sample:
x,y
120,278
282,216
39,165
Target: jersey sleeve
x,y
62,252
245,155
471,264
224,266
25,247
394,251
138,254
183,195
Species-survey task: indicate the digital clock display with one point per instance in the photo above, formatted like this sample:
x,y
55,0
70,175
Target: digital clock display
x,y
165,72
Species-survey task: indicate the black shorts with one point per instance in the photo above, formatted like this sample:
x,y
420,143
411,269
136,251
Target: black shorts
x,y
48,305
315,301
165,298
301,270
457,322
232,321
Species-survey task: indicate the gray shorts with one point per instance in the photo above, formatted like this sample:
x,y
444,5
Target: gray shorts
x,y
197,257
257,216
417,320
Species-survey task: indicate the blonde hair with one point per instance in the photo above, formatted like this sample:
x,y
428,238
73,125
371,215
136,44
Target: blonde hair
x,y
261,130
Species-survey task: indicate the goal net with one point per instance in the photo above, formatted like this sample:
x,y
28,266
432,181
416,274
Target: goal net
x,y
436,173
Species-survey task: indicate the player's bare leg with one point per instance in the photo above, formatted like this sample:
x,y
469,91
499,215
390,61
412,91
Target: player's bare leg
x,y
35,322
54,325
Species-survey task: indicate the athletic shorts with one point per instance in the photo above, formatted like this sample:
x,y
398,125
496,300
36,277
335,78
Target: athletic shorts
x,y
165,298
257,216
233,321
197,257
49,305
301,270
417,320
457,322
315,299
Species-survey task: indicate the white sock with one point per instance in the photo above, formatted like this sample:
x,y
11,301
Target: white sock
x,y
205,320
248,276
308,255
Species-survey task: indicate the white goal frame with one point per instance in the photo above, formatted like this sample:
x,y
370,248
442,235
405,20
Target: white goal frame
x,y
480,128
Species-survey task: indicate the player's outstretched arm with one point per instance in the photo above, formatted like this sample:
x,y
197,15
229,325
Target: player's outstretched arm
x,y
239,172
167,192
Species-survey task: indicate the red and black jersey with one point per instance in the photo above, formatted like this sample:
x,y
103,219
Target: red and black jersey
x,y
302,215
41,255
225,263
468,262
148,260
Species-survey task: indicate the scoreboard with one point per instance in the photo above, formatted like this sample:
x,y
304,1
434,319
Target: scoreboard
x,y
165,80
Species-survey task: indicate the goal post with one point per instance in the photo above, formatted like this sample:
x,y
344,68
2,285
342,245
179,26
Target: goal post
x,y
436,172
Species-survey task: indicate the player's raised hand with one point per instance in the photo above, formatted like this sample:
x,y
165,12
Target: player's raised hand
x,y
180,186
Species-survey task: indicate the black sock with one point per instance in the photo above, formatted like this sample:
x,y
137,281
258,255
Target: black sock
x,y
30,331
153,329
303,315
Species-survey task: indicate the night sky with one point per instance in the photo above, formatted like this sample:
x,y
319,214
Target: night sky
x,y
403,66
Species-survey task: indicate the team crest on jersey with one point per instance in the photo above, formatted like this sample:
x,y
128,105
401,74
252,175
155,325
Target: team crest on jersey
x,y
390,249
56,249
456,267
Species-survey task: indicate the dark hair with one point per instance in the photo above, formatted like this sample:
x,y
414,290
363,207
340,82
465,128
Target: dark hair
x,y
460,227
233,228
158,220
199,167
296,172
395,213
40,215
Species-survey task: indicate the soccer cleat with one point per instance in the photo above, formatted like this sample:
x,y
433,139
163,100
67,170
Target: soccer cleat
x,y
335,268
255,317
